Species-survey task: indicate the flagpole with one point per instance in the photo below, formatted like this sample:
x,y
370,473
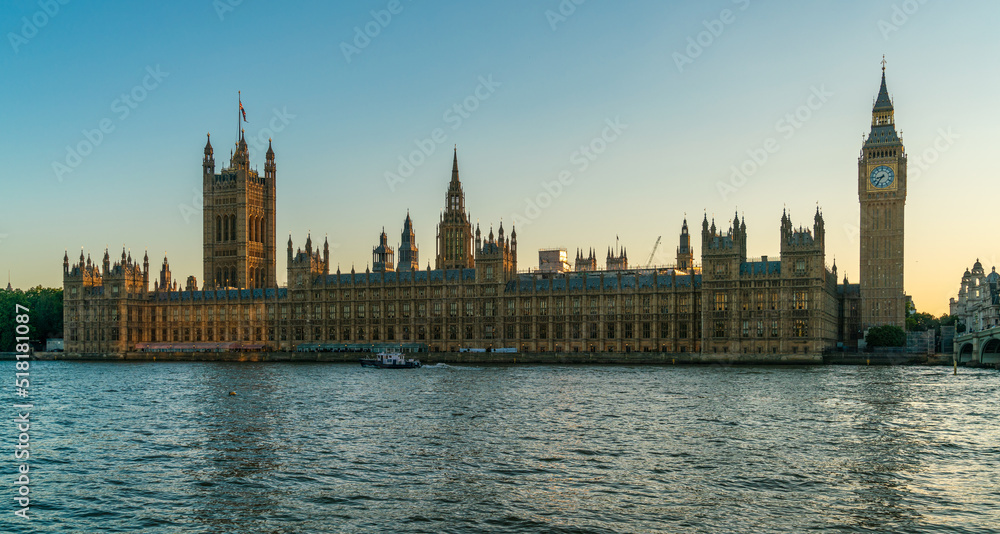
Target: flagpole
x,y
239,124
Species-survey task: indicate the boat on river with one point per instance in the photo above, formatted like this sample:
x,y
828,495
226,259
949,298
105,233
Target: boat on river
x,y
390,360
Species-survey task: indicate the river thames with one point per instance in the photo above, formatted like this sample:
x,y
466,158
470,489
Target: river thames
x,y
165,447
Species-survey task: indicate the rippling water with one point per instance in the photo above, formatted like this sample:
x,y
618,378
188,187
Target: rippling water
x,y
163,447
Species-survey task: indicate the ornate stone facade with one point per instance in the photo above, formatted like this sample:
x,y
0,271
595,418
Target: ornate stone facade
x,y
476,298
978,303
239,216
882,193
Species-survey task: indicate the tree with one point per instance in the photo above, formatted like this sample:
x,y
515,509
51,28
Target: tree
x,y
921,322
886,336
45,315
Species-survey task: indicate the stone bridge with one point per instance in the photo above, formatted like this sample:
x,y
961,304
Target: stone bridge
x,y
978,347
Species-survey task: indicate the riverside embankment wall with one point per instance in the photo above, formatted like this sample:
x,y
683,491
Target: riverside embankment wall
x,y
614,358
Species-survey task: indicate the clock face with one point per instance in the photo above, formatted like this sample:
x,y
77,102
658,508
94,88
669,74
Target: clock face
x,y
882,176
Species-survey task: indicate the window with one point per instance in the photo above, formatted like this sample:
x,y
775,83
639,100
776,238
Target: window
x,y
774,329
720,329
611,330
746,328
800,267
721,301
801,330
800,300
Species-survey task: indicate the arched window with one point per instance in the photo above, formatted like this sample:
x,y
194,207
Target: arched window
x,y
218,228
225,230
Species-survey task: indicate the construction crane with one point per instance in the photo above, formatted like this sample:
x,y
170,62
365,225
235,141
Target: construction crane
x,y
649,262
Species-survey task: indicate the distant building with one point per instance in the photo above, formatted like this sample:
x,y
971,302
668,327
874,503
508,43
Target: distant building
x,y
382,255
617,259
978,302
552,260
408,253
582,263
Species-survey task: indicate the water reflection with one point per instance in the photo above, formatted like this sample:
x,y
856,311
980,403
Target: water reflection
x,y
336,448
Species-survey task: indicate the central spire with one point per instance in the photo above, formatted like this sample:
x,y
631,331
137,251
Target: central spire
x,y
882,101
454,167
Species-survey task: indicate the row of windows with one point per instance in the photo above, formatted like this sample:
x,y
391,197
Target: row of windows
x,y
645,330
799,329
761,301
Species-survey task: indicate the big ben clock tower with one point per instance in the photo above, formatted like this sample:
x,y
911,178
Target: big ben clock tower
x,y
882,194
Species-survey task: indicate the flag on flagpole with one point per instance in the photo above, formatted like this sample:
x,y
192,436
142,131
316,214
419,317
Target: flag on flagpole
x,y
243,111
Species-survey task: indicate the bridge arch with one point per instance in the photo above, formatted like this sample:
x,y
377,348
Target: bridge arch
x,y
965,354
991,351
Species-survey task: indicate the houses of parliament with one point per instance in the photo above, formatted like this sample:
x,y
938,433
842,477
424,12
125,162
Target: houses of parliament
x,y
474,297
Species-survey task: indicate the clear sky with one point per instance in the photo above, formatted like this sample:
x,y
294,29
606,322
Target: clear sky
x,y
347,89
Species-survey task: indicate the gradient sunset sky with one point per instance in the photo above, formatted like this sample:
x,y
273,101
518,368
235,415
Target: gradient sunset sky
x,y
348,89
